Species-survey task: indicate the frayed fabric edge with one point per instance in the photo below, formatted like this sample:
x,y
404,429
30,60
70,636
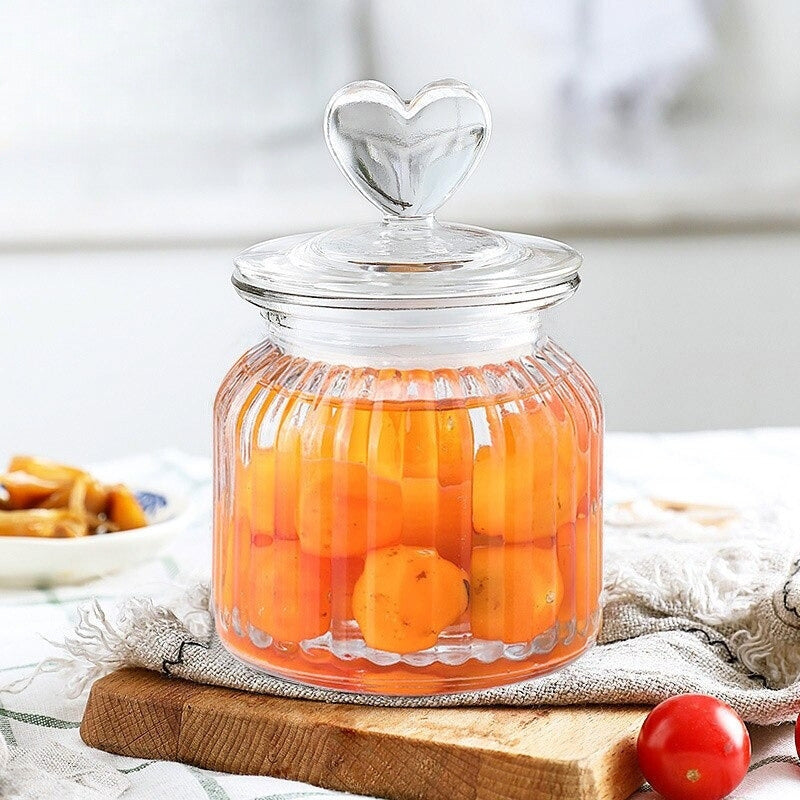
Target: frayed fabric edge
x,y
98,645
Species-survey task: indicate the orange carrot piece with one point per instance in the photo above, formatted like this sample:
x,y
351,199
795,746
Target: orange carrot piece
x,y
407,596
290,591
516,592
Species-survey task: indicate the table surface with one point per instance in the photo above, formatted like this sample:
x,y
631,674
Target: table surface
x,y
745,468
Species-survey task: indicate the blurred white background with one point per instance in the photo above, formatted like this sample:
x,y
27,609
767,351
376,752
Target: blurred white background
x,y
143,144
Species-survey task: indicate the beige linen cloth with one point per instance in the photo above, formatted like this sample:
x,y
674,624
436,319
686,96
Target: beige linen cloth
x,y
689,607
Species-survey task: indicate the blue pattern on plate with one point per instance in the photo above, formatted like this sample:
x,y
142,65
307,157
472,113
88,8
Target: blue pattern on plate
x,y
151,502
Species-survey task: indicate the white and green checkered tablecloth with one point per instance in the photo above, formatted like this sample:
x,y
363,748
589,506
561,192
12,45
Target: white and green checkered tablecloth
x,y
750,468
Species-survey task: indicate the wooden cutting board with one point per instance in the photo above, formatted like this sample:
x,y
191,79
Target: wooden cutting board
x,y
494,753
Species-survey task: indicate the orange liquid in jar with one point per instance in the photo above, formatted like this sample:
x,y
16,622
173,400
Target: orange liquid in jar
x,y
407,531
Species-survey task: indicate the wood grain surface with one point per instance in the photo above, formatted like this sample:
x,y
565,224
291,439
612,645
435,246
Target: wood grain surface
x,y
493,753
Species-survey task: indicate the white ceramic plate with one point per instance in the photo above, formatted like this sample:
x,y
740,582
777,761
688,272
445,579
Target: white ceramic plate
x,y
26,561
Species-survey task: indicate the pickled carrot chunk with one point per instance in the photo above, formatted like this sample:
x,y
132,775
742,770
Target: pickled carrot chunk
x,y
454,524
572,476
384,446
244,505
488,493
594,569
406,597
595,465
525,499
344,574
353,436
438,517
547,439
420,498
574,595
235,554
515,479
580,562
516,592
345,511
420,451
290,591
259,494
287,483
455,441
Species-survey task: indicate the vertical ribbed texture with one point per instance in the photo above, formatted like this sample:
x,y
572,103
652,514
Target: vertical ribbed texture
x,y
495,470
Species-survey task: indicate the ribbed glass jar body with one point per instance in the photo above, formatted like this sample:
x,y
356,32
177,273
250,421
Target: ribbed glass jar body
x,y
407,531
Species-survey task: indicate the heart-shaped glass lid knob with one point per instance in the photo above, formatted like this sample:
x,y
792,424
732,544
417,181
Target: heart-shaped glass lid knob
x,y
407,157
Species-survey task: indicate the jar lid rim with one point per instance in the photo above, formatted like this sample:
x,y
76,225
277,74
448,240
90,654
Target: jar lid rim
x,y
407,158
502,268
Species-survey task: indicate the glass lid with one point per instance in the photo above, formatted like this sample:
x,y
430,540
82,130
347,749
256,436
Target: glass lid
x,y
407,158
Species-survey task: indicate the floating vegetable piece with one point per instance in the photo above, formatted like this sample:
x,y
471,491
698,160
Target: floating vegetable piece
x,y
407,596
290,592
345,572
345,511
516,592
438,517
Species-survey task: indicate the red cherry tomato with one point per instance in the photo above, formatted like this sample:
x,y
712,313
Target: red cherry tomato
x,y
693,747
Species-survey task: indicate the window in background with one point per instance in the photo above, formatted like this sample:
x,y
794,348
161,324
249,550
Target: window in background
x,y
179,121
132,121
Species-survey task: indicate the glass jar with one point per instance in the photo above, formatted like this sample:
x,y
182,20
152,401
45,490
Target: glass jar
x,y
407,469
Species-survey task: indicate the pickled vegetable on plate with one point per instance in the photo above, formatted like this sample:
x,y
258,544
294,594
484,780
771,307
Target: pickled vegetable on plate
x,y
42,498
45,469
23,490
123,509
82,494
42,523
